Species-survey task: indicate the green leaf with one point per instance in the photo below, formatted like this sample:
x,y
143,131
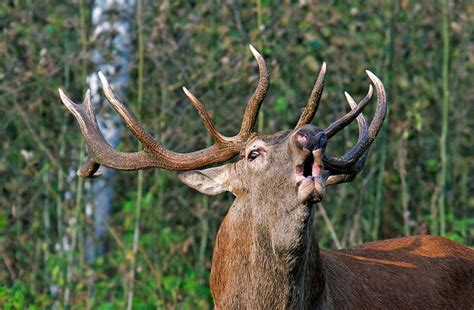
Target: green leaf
x,y
281,105
432,165
455,237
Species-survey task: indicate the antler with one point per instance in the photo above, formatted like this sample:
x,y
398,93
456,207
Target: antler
x,y
154,155
313,104
346,168
313,101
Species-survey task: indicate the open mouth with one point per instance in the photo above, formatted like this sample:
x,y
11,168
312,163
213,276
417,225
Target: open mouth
x,y
309,180
308,165
311,167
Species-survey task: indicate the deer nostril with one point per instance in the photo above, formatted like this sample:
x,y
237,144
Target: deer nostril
x,y
310,138
302,140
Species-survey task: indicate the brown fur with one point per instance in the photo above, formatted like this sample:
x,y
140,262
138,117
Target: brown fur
x,y
422,272
267,257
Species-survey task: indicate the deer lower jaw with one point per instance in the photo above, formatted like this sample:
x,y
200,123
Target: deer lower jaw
x,y
311,186
311,189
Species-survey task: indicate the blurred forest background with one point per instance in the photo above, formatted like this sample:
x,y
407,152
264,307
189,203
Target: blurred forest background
x,y
153,245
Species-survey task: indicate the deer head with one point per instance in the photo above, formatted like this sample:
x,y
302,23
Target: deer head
x,y
276,182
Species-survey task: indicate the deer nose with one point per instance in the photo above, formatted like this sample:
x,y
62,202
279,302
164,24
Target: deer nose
x,y
310,137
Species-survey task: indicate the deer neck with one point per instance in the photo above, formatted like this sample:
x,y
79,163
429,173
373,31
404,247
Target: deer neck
x,y
252,268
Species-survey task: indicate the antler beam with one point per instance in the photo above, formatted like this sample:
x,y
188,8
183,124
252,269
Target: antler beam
x,y
154,155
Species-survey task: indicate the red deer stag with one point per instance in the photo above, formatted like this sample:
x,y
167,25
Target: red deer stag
x,y
266,254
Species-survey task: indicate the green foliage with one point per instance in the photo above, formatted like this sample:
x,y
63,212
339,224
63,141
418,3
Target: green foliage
x,y
18,297
204,47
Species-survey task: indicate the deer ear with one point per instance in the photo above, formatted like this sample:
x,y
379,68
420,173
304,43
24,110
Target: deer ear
x,y
210,181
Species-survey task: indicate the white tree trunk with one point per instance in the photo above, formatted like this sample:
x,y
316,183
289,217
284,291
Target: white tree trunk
x,y
112,36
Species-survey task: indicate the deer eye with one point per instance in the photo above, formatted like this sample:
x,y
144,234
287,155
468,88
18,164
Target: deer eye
x,y
253,154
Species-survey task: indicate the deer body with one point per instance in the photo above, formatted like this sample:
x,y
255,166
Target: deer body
x,y
266,254
423,272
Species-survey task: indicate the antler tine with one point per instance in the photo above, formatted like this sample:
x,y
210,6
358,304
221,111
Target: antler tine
x,y
129,119
363,130
255,102
339,124
381,109
353,159
89,128
339,178
216,135
361,120
314,99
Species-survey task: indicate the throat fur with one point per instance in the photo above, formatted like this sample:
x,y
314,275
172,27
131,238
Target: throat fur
x,y
265,273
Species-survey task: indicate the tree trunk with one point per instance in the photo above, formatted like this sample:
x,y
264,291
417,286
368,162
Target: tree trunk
x,y
112,35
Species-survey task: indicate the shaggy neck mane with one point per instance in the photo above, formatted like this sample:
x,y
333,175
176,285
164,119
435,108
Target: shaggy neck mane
x,y
249,271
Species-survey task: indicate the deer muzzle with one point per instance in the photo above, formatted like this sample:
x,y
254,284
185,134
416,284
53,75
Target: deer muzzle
x,y
309,180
